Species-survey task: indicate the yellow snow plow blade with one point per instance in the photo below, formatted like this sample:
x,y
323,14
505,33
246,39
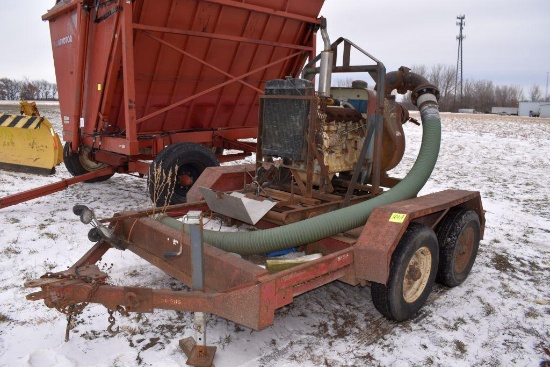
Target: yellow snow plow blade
x,y
29,144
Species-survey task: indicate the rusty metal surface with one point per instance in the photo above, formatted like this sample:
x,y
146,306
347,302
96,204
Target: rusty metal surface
x,y
201,356
236,289
296,213
382,232
150,239
465,248
302,278
187,346
393,137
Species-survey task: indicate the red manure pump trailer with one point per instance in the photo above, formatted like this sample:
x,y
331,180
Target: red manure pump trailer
x,y
173,82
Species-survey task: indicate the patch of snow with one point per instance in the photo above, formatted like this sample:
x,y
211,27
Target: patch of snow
x,y
500,316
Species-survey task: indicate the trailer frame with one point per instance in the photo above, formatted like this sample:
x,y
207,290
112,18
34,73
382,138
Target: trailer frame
x,y
233,284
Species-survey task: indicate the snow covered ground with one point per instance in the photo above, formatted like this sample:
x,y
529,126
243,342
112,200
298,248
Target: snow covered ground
x,y
499,317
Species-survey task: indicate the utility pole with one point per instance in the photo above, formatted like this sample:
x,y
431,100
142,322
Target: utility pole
x,y
459,70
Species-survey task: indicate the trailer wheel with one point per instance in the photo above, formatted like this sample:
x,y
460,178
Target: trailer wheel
x,y
458,235
79,164
412,274
217,150
188,160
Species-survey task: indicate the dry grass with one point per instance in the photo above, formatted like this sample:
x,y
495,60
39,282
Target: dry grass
x,y
163,184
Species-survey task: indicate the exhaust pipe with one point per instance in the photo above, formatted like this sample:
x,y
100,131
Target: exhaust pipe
x,y
327,58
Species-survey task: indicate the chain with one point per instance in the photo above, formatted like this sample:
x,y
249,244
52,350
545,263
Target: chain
x,y
74,310
112,320
77,308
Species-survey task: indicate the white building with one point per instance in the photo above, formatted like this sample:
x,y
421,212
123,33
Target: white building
x,y
529,108
505,110
545,110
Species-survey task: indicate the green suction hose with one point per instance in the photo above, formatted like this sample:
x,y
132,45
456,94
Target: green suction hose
x,y
342,220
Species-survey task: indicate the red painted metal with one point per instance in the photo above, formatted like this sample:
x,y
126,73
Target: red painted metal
x,y
135,73
51,188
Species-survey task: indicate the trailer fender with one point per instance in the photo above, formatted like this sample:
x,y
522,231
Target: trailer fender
x,y
386,224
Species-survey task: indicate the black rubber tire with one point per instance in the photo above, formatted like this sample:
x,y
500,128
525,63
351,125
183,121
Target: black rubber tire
x,y
217,150
75,167
190,159
458,235
418,241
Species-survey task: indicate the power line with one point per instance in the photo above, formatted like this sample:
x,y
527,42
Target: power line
x,y
459,68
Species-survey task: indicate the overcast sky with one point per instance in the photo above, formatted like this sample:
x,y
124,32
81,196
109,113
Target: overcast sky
x,y
507,41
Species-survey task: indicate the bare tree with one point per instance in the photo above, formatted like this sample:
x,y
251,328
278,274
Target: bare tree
x,y
29,90
43,88
9,89
484,95
435,74
443,77
343,82
503,96
54,91
535,93
468,92
517,94
420,69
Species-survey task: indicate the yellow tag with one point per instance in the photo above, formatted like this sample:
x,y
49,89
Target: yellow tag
x,y
99,87
398,218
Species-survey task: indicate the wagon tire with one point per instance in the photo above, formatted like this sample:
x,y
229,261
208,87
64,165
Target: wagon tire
x,y
79,164
188,160
217,150
458,236
413,269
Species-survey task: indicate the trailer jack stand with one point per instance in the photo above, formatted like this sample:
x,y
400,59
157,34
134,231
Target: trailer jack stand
x,y
188,345
200,355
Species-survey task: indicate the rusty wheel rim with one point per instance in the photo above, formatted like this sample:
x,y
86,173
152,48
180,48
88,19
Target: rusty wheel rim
x,y
464,248
417,274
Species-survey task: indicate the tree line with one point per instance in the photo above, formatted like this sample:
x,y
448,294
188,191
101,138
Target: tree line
x,y
480,95
26,89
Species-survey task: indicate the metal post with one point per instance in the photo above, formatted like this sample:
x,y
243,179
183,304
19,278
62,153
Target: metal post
x,y
201,355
